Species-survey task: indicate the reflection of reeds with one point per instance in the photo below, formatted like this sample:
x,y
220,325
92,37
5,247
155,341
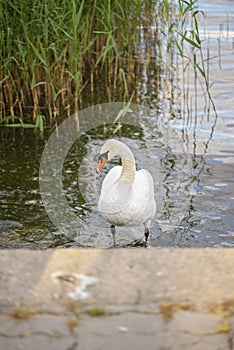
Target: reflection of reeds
x,y
55,54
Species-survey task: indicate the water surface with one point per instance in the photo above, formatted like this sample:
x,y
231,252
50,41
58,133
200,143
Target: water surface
x,y
190,156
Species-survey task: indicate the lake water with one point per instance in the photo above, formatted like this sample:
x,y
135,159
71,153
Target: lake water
x,y
190,156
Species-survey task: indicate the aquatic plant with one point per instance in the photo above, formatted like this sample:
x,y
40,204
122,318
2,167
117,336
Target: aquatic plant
x,y
54,54
38,126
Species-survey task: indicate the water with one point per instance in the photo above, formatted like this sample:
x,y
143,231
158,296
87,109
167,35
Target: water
x,y
190,156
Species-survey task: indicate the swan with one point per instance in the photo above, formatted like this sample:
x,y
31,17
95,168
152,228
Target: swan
x,y
127,194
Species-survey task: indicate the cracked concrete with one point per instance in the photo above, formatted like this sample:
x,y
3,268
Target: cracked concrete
x,y
164,299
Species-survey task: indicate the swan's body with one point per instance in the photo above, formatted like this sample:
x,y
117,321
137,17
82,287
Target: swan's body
x,y
127,195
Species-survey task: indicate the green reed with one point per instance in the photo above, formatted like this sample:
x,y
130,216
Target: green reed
x,y
54,53
51,49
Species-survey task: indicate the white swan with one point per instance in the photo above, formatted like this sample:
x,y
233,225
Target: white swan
x,y
127,195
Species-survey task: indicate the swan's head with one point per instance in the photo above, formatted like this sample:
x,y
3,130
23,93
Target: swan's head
x,y
109,150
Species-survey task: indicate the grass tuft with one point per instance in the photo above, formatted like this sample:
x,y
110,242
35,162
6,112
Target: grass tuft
x,y
224,309
22,313
97,311
169,309
224,327
73,321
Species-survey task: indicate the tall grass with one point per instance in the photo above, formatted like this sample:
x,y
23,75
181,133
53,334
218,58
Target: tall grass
x,y
50,49
53,51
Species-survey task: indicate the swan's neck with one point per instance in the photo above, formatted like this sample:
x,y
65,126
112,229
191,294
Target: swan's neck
x,y
128,172
129,166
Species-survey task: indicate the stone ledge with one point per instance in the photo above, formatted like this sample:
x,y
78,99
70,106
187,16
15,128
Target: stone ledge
x,y
116,276
166,299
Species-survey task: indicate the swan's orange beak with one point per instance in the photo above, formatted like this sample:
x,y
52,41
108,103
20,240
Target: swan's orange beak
x,y
101,163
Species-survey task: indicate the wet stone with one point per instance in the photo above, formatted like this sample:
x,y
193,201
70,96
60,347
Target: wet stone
x,y
8,224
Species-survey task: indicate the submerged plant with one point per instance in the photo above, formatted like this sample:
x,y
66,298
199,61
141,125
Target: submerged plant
x,y
39,123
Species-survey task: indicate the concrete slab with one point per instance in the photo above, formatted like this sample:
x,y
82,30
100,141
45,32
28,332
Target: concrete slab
x,y
164,299
124,276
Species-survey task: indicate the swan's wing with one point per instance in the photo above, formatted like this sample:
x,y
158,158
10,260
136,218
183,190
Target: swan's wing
x,y
143,194
143,184
112,176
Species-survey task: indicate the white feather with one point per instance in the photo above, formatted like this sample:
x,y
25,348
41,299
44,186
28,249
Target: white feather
x,y
126,199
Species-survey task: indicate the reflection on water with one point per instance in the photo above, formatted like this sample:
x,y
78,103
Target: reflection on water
x,y
193,194
189,152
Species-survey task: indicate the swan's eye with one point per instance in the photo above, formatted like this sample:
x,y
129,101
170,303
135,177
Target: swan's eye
x,y
103,155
